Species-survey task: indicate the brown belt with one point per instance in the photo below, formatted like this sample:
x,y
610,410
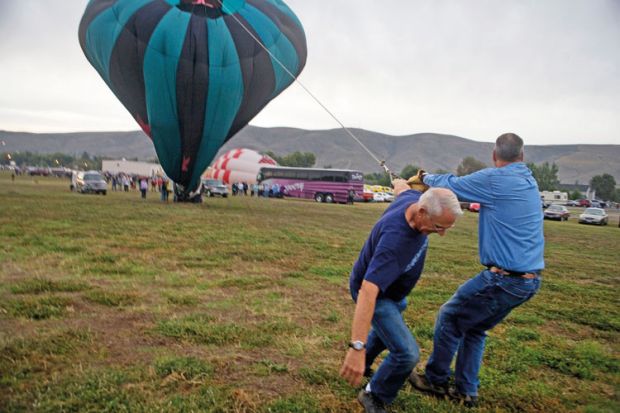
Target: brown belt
x,y
501,271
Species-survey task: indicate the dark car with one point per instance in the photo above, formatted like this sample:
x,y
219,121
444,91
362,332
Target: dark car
x,y
558,212
89,182
214,187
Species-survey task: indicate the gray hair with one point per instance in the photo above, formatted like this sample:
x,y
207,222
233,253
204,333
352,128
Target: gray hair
x,y
509,147
437,200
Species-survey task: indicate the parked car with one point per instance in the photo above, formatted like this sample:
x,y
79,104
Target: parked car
x,y
213,187
558,212
594,216
572,203
368,195
89,182
585,203
37,171
597,203
378,197
388,197
474,206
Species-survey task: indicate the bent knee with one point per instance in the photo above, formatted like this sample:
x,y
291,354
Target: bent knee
x,y
409,357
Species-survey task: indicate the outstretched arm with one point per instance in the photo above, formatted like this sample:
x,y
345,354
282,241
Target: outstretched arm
x,y
474,187
400,185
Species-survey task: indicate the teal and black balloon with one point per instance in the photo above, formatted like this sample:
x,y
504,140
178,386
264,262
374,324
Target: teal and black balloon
x,y
191,72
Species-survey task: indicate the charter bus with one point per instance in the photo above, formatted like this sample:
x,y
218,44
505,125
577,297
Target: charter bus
x,y
322,185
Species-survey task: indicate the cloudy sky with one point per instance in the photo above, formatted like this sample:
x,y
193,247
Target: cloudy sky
x,y
548,70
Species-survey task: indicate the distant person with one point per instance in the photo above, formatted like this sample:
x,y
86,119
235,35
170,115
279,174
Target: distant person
x,y
125,180
389,266
144,187
13,176
511,247
164,190
350,196
73,185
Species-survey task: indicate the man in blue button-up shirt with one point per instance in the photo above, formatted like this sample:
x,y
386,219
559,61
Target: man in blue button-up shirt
x,y
511,246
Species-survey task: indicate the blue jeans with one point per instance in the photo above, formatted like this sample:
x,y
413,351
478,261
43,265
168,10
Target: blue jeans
x,y
477,306
390,332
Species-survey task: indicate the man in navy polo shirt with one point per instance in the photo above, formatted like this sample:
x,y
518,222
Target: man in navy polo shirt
x,y
387,269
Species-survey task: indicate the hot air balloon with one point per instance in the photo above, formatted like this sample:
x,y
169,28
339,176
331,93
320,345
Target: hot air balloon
x,y
192,73
238,165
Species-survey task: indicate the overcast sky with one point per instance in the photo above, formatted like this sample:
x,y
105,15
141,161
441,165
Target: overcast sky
x,y
548,70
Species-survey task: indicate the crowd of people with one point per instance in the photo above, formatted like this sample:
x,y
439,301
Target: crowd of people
x,y
259,190
131,182
144,184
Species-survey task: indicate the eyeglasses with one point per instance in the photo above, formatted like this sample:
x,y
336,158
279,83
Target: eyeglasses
x,y
438,228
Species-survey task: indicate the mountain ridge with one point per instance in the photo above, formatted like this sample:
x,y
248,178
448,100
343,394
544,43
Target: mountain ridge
x,y
333,147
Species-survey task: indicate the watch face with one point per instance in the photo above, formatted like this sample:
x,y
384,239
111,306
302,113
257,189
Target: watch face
x,y
357,345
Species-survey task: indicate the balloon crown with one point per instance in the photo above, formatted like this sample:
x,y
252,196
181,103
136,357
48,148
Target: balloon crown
x,y
210,8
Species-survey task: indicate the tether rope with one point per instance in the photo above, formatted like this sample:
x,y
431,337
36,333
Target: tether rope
x,y
316,99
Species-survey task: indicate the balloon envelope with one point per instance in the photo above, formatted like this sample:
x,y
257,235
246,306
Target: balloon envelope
x,y
238,165
191,72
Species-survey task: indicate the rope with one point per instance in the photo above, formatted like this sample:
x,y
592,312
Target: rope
x,y
316,99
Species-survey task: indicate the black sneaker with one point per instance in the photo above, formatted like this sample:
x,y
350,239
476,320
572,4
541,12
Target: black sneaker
x,y
370,402
460,398
421,383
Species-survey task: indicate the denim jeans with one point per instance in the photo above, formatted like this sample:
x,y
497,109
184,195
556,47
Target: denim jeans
x,y
390,332
477,306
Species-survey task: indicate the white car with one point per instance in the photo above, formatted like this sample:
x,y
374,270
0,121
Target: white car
x,y
594,216
388,197
378,197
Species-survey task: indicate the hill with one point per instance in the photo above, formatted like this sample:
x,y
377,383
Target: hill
x,y
578,163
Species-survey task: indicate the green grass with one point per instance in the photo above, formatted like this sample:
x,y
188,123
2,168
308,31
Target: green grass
x,y
118,304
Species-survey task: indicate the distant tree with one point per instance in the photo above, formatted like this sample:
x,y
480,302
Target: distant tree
x,y
604,185
54,160
617,195
377,178
575,195
408,171
546,175
295,159
469,165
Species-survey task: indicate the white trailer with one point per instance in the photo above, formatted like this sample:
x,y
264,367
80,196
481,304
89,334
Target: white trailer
x,y
132,168
554,197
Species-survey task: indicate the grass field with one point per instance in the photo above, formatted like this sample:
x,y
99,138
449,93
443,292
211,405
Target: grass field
x,y
116,304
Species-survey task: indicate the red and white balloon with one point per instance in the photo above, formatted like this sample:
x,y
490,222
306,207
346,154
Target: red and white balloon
x,y
238,165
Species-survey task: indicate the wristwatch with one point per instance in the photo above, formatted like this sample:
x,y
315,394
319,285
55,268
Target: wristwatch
x,y
357,345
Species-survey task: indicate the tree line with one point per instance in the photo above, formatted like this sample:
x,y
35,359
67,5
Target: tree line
x,y
54,160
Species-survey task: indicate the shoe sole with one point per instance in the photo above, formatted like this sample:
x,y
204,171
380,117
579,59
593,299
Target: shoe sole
x,y
428,391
